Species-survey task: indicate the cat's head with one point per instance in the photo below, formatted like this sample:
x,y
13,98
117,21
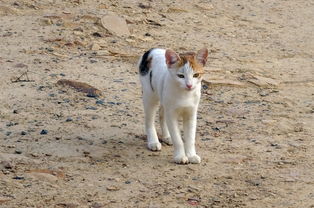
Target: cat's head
x,y
186,69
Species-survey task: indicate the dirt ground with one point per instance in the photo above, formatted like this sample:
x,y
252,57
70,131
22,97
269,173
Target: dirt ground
x,y
60,148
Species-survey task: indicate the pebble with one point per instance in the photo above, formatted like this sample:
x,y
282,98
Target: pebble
x,y
96,205
97,35
44,131
18,152
112,188
41,88
69,119
18,177
100,102
8,133
91,108
11,124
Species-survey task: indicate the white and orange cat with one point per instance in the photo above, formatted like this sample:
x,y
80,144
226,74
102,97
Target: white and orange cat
x,y
172,81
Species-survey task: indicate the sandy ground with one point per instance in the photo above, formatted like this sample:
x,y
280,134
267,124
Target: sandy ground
x,y
60,148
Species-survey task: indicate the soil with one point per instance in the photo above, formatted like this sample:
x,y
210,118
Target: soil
x,y
64,148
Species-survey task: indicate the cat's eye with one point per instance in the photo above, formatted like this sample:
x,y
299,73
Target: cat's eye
x,y
180,76
196,75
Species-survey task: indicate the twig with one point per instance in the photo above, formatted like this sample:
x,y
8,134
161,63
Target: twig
x,y
18,79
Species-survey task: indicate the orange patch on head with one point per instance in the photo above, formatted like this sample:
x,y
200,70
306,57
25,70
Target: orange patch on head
x,y
191,58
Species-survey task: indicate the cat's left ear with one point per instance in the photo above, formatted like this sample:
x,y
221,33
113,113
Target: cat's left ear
x,y
201,56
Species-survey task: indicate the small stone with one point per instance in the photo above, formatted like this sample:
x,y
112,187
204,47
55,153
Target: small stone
x,y
69,119
11,124
95,47
18,178
91,108
44,131
6,165
96,205
112,188
15,111
23,132
18,152
97,34
100,102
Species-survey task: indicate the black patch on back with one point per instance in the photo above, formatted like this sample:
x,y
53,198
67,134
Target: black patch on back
x,y
144,65
150,79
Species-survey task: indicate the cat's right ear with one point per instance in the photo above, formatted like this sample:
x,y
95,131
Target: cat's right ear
x,y
171,58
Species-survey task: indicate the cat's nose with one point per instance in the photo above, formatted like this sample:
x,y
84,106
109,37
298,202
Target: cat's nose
x,y
189,86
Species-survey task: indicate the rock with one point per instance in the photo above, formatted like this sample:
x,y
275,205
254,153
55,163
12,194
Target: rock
x,y
144,6
100,102
18,178
95,47
69,119
113,188
96,205
67,205
43,177
115,25
5,165
81,86
91,108
44,131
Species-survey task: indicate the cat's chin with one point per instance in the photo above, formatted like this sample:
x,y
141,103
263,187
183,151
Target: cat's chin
x,y
189,89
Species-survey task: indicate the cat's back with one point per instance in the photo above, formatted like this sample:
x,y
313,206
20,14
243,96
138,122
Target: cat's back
x,y
158,59
153,59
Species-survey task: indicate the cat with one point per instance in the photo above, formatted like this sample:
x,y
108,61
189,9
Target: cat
x,y
172,81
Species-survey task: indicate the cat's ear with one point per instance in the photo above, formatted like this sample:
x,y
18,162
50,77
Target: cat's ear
x,y
171,58
201,56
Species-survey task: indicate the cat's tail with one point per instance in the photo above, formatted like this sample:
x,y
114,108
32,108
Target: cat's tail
x,y
144,63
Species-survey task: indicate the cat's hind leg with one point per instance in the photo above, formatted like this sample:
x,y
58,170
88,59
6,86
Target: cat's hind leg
x,y
164,128
150,108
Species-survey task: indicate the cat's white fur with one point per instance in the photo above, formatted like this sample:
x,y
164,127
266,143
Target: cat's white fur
x,y
177,97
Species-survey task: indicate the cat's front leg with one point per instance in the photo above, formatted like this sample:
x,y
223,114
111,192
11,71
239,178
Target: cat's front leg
x,y
179,152
189,127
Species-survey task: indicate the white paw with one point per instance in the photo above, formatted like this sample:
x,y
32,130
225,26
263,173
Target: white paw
x,y
167,140
194,159
181,159
154,146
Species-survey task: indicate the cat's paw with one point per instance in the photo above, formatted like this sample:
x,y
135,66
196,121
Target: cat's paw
x,y
181,159
167,140
154,146
194,159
